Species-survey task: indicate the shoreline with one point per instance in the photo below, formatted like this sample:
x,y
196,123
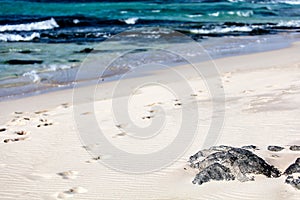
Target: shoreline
x,y
281,42
262,93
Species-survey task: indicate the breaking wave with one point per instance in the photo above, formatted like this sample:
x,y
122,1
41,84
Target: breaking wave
x,y
43,25
222,30
8,37
132,20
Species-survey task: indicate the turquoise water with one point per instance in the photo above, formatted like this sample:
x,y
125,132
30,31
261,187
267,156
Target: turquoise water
x,y
74,21
42,43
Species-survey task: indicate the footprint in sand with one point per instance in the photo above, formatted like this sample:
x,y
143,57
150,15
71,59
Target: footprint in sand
x,y
65,105
151,111
40,112
14,139
70,193
120,126
86,113
177,102
227,76
17,122
119,135
95,159
22,132
78,190
148,117
69,174
62,195
247,91
45,122
153,104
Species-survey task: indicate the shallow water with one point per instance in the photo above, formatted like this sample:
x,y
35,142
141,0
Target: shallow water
x,y
57,36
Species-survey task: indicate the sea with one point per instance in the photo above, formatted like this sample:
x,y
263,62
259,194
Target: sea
x,y
43,43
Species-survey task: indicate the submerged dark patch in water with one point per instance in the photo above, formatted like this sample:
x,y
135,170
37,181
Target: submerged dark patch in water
x,y
23,62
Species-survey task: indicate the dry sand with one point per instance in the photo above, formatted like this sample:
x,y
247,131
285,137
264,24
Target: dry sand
x,y
48,160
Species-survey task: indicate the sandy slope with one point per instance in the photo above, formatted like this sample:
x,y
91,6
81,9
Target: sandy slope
x,y
262,94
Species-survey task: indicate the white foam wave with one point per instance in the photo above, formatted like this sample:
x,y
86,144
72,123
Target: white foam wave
x,y
43,25
244,13
291,2
195,15
235,1
132,20
155,11
7,37
33,76
292,23
76,21
215,14
55,67
222,30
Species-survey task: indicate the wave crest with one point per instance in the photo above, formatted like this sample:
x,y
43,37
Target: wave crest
x,y
7,37
43,25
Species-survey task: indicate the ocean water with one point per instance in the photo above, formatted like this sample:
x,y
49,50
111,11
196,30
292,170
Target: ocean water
x,y
43,42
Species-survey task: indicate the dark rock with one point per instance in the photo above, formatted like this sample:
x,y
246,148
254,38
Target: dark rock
x,y
86,50
295,148
216,172
2,129
240,162
73,60
250,147
295,182
25,51
275,148
23,62
293,168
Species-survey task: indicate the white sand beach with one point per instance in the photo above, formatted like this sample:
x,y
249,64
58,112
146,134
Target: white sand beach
x,y
49,161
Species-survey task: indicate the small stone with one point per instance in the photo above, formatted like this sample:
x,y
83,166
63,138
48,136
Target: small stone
x,y
295,148
275,148
2,129
6,140
251,147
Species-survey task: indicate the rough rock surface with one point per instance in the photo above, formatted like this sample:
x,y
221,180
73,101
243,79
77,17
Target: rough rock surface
x,y
275,148
293,168
229,163
295,182
216,172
